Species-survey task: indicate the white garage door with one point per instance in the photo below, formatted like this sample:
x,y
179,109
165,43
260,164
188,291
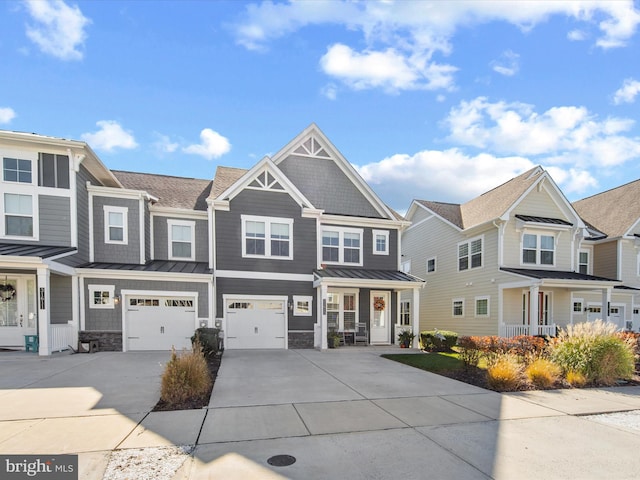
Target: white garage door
x,y
255,323
159,323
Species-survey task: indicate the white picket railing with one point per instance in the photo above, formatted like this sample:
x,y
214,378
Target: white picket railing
x,y
515,330
62,336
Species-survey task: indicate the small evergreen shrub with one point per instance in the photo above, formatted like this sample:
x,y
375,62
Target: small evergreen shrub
x,y
185,377
438,340
595,350
575,379
543,373
505,374
208,339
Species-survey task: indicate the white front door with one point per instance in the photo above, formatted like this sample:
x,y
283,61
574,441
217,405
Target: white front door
x,y
18,314
616,315
380,317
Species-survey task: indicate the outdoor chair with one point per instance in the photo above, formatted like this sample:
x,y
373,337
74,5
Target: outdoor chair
x,y
361,335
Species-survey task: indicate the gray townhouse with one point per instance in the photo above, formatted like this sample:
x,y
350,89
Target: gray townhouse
x,y
276,255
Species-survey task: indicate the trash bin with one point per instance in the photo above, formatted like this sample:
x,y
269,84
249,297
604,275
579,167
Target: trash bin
x,y
31,343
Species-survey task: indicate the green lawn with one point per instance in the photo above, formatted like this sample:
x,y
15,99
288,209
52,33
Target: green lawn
x,y
432,362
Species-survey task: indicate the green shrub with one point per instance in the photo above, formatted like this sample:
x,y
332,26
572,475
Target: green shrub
x,y
185,377
209,339
469,351
595,350
505,375
543,373
438,340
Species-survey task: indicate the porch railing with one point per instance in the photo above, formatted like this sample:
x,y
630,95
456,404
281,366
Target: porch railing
x,y
515,330
62,335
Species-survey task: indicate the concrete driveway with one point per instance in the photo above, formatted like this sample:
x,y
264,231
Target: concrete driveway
x,y
344,413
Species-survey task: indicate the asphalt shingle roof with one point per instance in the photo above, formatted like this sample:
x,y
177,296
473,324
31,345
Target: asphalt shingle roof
x,y
175,192
488,206
224,178
612,212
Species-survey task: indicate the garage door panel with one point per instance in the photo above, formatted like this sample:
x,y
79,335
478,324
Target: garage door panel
x,y
255,324
160,323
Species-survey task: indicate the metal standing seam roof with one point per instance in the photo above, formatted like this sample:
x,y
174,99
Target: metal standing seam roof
x,y
364,274
163,266
41,251
554,221
556,275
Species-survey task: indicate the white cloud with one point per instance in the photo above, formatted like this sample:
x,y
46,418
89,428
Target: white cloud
x,y
508,64
405,36
110,137
559,135
628,92
572,180
6,115
577,35
330,91
59,29
212,145
164,144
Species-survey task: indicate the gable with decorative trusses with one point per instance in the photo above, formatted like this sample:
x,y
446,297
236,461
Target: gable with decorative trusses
x,y
311,147
265,181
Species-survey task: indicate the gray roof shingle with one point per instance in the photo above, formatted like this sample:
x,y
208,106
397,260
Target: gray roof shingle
x,y
612,212
174,192
224,178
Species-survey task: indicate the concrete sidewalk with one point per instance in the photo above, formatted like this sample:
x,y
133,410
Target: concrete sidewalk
x,y
341,413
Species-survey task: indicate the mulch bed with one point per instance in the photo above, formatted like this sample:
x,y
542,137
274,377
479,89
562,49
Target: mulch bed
x,y
213,362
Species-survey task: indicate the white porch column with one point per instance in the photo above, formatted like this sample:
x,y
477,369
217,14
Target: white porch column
x,y
415,313
606,304
322,316
75,308
44,320
534,312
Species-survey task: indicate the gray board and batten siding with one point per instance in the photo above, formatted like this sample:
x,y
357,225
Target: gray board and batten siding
x,y
161,238
60,289
282,288
111,318
326,186
112,252
228,233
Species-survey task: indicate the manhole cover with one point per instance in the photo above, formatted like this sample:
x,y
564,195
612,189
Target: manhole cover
x,y
281,460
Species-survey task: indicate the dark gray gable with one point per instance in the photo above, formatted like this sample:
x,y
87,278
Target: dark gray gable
x,y
326,185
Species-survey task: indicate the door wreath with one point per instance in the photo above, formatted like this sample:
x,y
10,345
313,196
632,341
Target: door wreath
x,y
7,292
378,304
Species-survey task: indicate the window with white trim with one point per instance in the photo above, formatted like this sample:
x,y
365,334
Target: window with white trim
x,y
115,225
182,240
482,306
538,249
18,215
342,245
302,305
53,170
578,305
342,310
381,242
267,237
583,262
405,313
16,170
457,307
431,265
101,296
470,254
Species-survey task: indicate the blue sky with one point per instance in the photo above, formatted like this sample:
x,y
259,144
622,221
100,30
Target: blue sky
x,y
431,100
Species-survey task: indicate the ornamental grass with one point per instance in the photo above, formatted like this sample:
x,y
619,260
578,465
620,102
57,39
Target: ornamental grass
x,y
185,377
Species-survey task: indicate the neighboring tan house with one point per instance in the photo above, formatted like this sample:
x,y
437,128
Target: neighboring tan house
x,y
273,255
518,259
615,250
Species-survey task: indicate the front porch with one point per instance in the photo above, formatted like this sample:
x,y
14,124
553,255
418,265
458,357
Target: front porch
x,y
362,307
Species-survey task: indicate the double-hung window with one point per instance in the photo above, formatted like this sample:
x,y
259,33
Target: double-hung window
x,y
405,313
181,239
342,245
458,307
18,215
538,249
482,306
381,242
267,237
16,170
583,262
470,254
431,265
115,225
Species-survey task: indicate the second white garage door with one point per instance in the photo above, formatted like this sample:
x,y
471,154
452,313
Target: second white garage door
x,y
159,323
255,323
